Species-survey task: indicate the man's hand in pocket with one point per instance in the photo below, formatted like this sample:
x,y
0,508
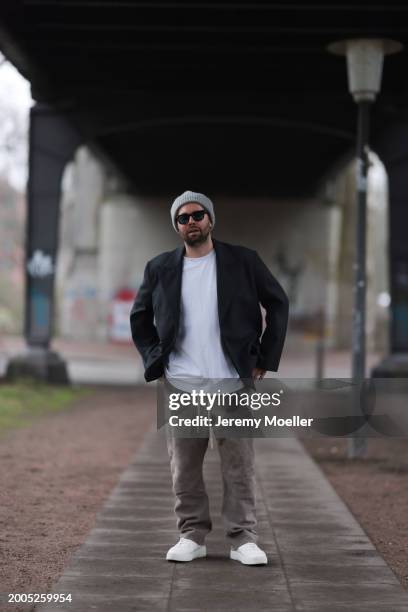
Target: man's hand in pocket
x,y
258,373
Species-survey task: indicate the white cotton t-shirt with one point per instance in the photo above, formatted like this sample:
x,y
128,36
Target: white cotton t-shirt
x,y
198,353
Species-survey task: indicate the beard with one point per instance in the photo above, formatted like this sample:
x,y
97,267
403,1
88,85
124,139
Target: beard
x,y
198,237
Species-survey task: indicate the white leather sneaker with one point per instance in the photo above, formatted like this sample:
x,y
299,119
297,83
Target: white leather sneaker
x,y
249,554
186,550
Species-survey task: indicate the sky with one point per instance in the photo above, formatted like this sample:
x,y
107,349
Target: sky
x,y
15,103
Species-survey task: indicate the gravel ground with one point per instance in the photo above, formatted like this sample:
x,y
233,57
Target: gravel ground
x,y
54,478
375,489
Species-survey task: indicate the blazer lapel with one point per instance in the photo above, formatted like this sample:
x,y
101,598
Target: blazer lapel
x,y
227,278
170,277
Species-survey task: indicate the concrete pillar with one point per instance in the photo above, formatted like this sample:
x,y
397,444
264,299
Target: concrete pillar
x,y
392,146
84,186
52,142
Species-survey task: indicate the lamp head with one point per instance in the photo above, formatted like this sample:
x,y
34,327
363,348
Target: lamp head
x,y
365,58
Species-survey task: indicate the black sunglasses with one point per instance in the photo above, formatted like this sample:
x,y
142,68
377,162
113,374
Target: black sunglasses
x,y
198,215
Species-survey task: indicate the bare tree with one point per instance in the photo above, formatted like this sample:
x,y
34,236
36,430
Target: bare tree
x,y
13,132
13,169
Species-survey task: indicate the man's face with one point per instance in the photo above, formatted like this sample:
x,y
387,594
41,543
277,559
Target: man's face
x,y
193,232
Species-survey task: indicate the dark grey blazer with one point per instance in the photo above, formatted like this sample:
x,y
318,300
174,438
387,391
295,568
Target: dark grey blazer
x,y
243,282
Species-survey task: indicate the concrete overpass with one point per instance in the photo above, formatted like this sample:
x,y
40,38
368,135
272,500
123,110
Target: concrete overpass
x,y
235,99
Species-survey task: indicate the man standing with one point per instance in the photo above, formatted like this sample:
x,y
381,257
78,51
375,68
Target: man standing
x,y
197,315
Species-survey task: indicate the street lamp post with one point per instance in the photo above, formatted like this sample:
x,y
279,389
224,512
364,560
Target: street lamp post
x,y
364,68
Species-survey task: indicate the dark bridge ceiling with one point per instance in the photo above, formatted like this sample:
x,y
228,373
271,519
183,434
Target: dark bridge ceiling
x,y
223,97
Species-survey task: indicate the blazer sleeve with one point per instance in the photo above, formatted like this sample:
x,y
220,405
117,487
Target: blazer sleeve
x,y
275,301
144,333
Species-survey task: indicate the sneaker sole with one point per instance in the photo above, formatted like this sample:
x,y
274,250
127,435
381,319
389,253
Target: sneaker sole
x,y
236,556
201,552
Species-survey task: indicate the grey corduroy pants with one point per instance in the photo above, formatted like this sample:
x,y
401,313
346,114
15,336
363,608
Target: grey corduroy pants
x,y
238,476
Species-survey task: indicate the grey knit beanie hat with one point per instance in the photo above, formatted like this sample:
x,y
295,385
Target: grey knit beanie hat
x,y
191,196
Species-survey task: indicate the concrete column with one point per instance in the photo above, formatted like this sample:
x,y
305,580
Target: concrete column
x,y
52,141
84,187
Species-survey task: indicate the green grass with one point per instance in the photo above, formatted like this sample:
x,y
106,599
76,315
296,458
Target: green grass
x,y
22,402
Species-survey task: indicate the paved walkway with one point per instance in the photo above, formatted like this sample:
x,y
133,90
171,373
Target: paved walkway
x,y
320,559
119,364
